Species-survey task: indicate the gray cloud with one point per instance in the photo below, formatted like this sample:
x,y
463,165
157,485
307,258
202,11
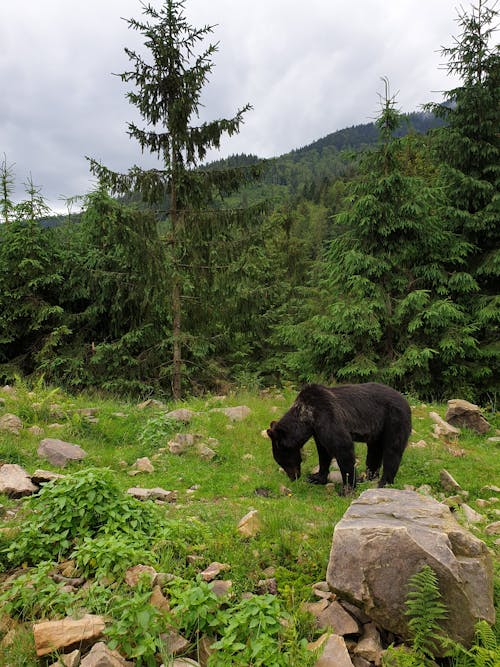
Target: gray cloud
x,y
307,69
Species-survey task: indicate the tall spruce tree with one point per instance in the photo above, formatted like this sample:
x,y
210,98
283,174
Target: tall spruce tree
x,y
468,146
380,307
167,94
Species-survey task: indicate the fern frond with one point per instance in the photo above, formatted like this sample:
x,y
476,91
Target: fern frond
x,y
425,611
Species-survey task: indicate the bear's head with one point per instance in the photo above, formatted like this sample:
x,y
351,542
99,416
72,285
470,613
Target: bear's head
x,y
285,451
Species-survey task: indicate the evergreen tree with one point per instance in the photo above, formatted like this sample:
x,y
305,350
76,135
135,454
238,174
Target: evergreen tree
x,y
380,305
31,316
113,297
167,95
468,147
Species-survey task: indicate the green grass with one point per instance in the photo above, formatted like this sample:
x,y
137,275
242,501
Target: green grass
x,y
297,529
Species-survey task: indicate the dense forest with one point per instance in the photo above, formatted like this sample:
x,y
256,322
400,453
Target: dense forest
x,y
371,254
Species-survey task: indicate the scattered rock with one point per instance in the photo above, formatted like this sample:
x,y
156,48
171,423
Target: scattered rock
x,y
442,429
175,643
134,573
466,415
183,441
43,476
221,588
267,586
15,481
58,453
493,528
250,524
87,412
492,488
157,493
101,655
158,600
68,659
213,570
420,443
235,414
150,403
143,465
53,636
471,516
35,430
205,451
334,653
11,424
448,482
336,617
370,646
181,415
385,537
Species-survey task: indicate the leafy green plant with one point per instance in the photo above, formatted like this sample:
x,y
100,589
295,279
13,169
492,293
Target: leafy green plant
x,y
110,555
85,504
253,634
194,606
155,431
136,626
35,594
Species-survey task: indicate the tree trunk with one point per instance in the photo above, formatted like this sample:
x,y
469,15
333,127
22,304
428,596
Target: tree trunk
x,y
176,338
176,299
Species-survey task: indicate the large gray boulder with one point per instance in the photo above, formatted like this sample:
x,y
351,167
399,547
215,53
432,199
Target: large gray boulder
x,y
59,452
467,415
385,537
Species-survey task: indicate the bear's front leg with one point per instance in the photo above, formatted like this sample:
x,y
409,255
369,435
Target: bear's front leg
x,y
321,477
317,478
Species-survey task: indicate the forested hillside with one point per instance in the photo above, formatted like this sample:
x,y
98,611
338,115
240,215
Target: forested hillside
x,y
371,254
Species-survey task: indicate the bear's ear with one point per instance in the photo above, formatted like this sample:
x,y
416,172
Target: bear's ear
x,y
270,430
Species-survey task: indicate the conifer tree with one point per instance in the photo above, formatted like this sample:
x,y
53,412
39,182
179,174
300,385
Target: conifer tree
x,y
381,307
468,146
167,90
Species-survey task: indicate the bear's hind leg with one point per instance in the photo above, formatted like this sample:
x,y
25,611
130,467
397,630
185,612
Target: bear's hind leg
x,y
347,461
373,459
395,438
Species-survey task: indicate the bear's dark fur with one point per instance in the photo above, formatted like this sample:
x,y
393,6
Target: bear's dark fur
x,y
336,417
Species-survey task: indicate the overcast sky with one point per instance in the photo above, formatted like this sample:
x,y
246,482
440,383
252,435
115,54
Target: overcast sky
x,y
307,68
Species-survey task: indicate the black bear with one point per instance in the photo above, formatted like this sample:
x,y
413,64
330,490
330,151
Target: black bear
x,y
336,417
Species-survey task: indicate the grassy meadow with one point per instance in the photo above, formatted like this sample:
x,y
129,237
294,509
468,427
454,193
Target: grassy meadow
x,y
212,496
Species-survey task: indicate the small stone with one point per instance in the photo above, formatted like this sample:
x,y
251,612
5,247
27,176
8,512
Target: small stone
x,y
35,430
493,528
213,570
471,515
11,423
133,574
181,415
221,588
150,403
448,482
250,524
143,465
370,646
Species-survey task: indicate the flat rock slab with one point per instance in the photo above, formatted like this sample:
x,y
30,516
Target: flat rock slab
x,y
59,452
388,535
52,636
15,481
